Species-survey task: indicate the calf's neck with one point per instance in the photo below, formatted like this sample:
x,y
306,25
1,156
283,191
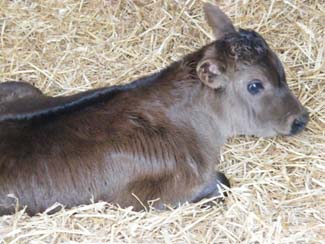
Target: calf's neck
x,y
157,138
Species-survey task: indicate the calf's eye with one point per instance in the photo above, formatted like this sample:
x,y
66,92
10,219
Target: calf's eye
x,y
255,86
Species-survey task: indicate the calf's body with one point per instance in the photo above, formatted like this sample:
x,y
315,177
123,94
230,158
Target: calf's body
x,y
148,139
157,138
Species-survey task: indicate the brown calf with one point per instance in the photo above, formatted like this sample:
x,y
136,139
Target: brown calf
x,y
156,138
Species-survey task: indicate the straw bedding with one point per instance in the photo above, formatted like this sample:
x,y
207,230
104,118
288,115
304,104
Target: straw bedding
x,y
278,193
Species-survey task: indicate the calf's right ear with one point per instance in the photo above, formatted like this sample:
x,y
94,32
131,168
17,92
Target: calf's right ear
x,y
211,73
218,21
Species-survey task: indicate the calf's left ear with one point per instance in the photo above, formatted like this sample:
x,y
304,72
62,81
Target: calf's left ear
x,y
218,21
211,73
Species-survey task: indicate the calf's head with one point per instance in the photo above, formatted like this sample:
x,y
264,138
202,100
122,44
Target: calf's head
x,y
249,80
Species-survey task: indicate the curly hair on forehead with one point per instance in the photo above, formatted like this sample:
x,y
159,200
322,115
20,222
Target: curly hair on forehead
x,y
245,45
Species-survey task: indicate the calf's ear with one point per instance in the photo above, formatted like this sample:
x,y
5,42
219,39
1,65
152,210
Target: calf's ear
x,y
211,73
218,21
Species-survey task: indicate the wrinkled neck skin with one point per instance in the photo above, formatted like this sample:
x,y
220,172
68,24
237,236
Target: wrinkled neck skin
x,y
201,109
194,105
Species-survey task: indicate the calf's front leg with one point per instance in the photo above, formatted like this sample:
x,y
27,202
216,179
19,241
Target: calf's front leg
x,y
174,191
212,187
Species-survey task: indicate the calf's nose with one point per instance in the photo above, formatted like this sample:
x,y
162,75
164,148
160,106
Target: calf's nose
x,y
299,123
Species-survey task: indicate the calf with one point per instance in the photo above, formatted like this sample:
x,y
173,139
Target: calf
x,y
157,138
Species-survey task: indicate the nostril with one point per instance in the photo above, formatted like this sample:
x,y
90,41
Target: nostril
x,y
299,123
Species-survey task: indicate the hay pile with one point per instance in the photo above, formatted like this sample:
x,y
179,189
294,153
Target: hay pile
x,y
278,193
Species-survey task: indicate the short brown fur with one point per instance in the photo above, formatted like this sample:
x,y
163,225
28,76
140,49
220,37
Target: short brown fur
x,y
158,138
